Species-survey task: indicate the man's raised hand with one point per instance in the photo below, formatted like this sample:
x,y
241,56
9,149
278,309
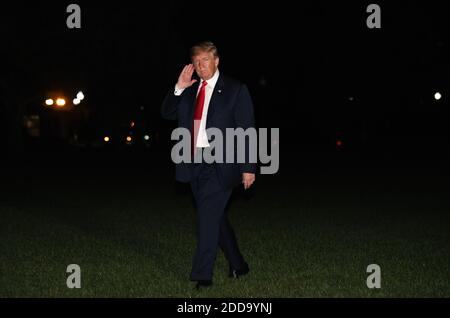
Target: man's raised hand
x,y
185,79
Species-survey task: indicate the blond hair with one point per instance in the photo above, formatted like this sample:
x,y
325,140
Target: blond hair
x,y
205,46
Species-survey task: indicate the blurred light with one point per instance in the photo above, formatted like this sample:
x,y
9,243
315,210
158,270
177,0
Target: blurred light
x,y
106,139
338,143
60,102
80,95
128,138
132,124
262,81
437,96
76,101
146,137
49,102
351,98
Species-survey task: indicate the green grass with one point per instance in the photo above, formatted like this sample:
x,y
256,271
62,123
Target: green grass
x,y
313,239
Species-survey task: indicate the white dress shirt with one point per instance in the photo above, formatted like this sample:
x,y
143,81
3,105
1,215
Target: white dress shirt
x,y
202,139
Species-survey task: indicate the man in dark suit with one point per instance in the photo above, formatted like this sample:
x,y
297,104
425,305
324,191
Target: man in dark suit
x,y
220,102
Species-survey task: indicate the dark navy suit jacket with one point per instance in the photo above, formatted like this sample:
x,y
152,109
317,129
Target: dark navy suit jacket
x,y
230,107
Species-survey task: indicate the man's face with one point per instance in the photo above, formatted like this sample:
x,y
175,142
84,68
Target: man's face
x,y
205,64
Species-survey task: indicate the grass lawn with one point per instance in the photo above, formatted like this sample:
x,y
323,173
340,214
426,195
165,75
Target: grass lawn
x,y
309,234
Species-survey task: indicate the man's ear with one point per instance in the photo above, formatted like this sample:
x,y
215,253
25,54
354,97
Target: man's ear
x,y
216,61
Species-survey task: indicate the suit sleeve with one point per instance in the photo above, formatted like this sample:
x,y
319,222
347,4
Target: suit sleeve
x,y
169,107
244,117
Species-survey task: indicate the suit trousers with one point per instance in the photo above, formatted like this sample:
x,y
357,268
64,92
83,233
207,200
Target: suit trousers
x,y
213,227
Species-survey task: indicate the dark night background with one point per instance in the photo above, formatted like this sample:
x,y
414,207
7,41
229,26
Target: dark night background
x,y
313,68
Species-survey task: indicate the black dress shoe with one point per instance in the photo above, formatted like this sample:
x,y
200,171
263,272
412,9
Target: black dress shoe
x,y
203,283
235,273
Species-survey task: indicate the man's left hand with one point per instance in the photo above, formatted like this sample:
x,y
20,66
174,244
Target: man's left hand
x,y
248,179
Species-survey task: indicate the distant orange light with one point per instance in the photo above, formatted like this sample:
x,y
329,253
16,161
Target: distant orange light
x,y
132,124
49,102
106,139
60,102
128,138
339,143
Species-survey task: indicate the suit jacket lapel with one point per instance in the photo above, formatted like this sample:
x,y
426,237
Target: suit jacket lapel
x,y
216,99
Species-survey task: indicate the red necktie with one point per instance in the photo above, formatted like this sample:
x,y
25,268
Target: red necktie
x,y
200,102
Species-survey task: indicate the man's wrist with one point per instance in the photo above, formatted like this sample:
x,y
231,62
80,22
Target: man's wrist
x,y
178,91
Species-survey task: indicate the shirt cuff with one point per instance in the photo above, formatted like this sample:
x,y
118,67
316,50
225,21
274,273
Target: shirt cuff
x,y
178,91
